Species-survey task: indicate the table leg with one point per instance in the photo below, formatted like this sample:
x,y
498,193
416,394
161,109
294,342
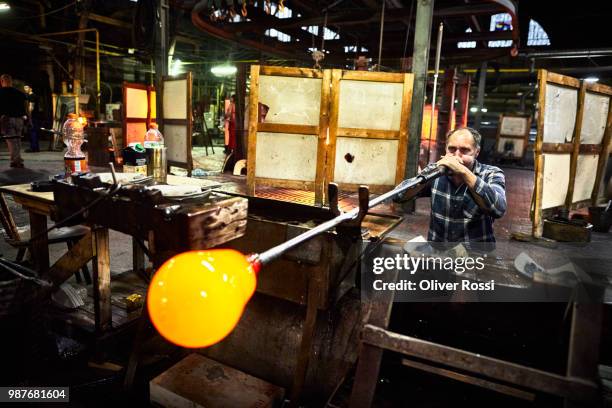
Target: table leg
x,y
101,280
138,262
39,245
585,338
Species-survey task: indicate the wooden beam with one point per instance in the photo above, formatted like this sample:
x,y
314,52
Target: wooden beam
x,y
71,261
577,388
101,280
110,21
502,389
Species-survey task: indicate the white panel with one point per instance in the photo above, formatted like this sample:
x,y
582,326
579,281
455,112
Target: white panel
x,y
517,145
365,161
136,101
586,170
295,101
175,139
513,126
560,114
595,117
286,156
175,99
370,105
556,179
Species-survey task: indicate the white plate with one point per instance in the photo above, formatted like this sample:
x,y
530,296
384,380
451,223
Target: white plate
x,y
176,191
122,178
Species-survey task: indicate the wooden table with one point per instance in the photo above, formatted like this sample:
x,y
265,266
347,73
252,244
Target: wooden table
x,y
93,246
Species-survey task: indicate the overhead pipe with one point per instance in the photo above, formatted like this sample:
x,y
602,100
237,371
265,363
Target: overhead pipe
x,y
222,34
593,53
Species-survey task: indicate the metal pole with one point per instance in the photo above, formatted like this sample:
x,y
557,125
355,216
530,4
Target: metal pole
x,y
382,28
482,82
435,89
98,75
273,253
420,59
161,60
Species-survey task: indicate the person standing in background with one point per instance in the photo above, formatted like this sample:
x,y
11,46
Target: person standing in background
x,y
12,116
34,116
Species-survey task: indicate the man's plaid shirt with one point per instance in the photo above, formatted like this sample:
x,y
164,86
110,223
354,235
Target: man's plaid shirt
x,y
455,216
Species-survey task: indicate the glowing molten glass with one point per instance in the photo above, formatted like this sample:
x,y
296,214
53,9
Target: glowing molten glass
x,y
196,298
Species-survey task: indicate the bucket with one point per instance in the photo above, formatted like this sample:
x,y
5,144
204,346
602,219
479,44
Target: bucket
x,y
600,219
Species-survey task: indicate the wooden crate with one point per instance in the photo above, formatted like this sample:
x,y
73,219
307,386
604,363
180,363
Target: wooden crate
x,y
197,381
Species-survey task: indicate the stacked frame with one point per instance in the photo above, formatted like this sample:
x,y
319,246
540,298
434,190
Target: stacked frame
x,y
571,151
288,149
513,129
347,127
368,129
138,111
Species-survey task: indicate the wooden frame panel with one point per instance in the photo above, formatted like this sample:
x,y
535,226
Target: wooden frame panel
x,y
328,130
384,136
318,131
176,121
146,119
505,134
583,185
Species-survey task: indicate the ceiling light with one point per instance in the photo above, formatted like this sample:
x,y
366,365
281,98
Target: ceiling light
x,y
473,109
484,110
223,70
4,6
591,79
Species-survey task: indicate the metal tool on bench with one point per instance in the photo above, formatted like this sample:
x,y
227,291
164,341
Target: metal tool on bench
x,y
196,309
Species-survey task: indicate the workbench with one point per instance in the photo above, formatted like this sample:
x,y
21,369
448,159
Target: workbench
x,y
94,246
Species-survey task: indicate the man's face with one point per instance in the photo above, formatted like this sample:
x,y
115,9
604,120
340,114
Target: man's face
x,y
461,144
27,89
5,83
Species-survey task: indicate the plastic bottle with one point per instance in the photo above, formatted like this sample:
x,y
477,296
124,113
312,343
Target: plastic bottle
x,y
153,137
73,137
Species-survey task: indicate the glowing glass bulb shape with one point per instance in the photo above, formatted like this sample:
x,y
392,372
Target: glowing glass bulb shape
x,y
196,298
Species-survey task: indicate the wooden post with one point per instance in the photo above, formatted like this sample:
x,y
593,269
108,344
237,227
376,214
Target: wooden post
x,y
370,357
322,152
536,202
138,262
585,336
253,121
576,146
603,156
40,245
101,280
